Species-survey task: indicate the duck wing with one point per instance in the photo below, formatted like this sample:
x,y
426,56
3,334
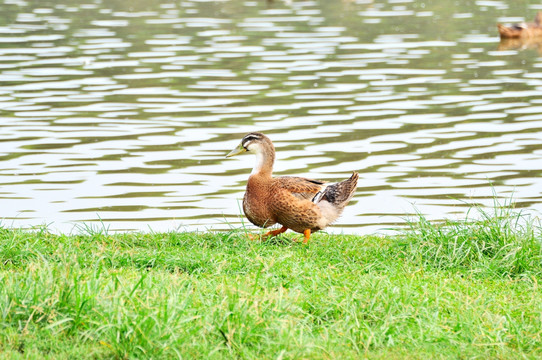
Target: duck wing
x,y
300,187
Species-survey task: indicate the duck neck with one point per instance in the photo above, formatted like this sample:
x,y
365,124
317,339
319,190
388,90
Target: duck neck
x,y
265,158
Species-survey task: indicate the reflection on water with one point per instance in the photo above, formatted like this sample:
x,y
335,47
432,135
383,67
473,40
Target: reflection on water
x,y
534,43
124,112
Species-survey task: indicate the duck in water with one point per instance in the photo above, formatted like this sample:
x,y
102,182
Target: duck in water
x,y
522,30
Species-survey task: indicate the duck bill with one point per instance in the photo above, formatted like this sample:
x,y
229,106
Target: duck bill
x,y
238,150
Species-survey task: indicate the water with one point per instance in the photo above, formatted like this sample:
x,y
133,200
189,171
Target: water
x,y
122,112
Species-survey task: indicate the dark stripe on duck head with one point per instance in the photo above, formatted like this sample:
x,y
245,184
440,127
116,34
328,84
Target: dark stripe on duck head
x,y
250,137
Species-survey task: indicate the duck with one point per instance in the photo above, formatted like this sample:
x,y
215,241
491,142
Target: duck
x,y
297,203
522,30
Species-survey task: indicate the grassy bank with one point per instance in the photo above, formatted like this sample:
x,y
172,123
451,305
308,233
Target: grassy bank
x,y
455,291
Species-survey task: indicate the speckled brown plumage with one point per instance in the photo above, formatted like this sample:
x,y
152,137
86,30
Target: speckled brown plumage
x,y
297,203
524,30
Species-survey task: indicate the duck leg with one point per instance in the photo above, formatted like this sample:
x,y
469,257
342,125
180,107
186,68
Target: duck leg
x,y
268,234
307,234
275,232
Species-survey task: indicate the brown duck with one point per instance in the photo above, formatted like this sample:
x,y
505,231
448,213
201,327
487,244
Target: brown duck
x,y
296,203
523,30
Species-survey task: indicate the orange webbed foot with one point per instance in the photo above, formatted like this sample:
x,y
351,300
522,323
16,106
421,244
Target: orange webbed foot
x,y
253,237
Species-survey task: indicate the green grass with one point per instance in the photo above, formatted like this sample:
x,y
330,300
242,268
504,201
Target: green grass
x,y
457,290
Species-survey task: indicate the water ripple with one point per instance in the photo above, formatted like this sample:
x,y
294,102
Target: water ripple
x,y
124,115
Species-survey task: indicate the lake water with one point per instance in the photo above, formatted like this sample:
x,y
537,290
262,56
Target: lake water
x,y
122,112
